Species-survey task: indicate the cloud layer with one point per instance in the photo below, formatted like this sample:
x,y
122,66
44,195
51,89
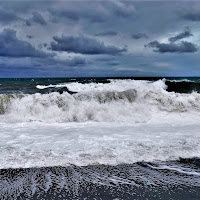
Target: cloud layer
x,y
7,17
183,47
83,45
187,33
191,16
11,46
107,33
139,36
99,38
36,18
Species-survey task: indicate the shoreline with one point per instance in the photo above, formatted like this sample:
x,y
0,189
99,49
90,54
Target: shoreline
x,y
134,181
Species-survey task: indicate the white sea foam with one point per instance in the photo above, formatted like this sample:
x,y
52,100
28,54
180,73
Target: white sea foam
x,y
181,80
39,144
179,169
148,124
114,85
41,87
118,101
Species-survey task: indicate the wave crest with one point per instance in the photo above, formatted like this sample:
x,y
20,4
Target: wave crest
x,y
118,101
104,97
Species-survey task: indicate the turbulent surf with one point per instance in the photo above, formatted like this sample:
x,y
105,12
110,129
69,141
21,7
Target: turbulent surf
x,y
128,134
131,101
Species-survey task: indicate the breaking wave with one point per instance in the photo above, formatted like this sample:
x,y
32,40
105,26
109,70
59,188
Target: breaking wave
x,y
117,101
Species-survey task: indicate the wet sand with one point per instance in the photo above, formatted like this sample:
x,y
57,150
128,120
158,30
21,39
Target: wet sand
x,y
100,182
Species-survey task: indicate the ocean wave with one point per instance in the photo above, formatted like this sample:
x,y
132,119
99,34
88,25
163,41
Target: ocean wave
x,y
183,86
41,87
178,86
118,101
181,80
42,145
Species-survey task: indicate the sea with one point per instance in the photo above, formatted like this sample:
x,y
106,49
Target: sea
x,y
100,138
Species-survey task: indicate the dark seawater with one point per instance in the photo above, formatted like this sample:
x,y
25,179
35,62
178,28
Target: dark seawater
x,y
28,85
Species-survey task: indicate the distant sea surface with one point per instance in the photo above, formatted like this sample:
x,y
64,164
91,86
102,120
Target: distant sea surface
x,y
100,138
29,85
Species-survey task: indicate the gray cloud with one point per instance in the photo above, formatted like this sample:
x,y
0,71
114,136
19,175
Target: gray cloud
x,y
187,33
29,36
84,45
28,22
106,58
76,61
69,62
7,17
90,17
122,9
191,16
76,15
183,47
113,63
64,14
43,45
107,33
94,12
11,46
37,18
139,36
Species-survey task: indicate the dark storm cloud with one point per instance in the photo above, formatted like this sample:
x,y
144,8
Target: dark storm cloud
x,y
84,45
11,46
122,9
29,36
92,11
54,62
191,16
43,45
64,14
140,19
107,33
76,61
113,63
38,66
139,36
27,22
37,18
76,15
105,59
187,33
183,47
7,17
108,60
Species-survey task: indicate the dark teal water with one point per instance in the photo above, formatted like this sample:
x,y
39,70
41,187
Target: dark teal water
x,y
28,85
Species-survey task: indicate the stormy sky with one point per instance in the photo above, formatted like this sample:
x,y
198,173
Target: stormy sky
x,y
99,38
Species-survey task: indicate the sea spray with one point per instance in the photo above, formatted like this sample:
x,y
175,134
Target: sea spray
x,y
118,101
